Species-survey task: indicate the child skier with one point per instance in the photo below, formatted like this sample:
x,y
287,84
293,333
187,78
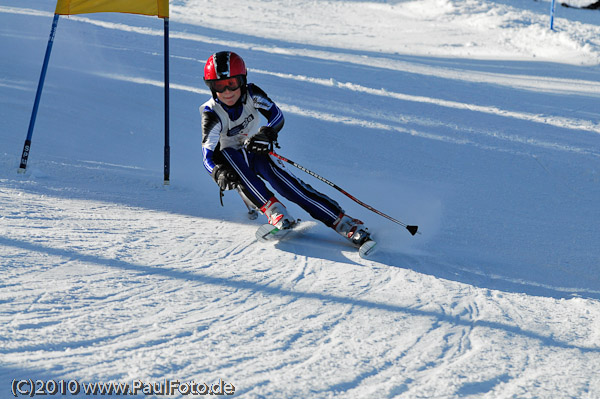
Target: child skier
x,y
236,150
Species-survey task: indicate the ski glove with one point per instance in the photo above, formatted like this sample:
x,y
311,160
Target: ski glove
x,y
262,142
225,177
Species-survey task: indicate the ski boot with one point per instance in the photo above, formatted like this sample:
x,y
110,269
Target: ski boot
x,y
277,214
352,229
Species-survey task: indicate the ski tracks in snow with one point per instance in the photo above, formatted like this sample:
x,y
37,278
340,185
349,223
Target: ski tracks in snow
x,y
119,292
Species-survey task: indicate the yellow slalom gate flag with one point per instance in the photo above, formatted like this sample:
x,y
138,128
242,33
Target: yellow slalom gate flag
x,y
159,8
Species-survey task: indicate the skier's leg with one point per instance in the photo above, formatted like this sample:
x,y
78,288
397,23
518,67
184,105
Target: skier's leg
x,y
317,204
255,190
251,185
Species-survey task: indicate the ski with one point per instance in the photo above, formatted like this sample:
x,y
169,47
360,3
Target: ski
x,y
268,232
368,248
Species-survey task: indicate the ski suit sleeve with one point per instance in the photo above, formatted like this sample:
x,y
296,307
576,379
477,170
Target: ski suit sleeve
x,y
266,107
211,132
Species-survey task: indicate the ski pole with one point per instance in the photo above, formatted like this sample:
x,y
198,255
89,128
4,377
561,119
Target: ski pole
x,y
411,229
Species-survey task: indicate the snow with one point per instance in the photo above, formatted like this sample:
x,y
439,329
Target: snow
x,y
469,118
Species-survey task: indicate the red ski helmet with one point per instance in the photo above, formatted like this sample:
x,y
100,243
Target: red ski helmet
x,y
224,65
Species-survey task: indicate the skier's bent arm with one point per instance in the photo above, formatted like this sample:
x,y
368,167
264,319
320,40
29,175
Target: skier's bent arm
x,y
266,107
211,132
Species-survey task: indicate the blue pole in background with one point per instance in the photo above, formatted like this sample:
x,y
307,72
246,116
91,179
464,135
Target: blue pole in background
x,y
552,15
167,152
38,95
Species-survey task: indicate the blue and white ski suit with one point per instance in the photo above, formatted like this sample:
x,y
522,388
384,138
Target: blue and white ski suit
x,y
225,130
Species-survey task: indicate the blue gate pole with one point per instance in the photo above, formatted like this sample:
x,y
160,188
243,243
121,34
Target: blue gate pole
x,y
167,154
27,146
552,15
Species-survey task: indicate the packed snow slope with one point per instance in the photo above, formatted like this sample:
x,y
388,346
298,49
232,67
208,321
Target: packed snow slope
x,y
469,118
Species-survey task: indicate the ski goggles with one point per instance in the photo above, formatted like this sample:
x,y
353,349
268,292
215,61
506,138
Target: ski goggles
x,y
230,84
